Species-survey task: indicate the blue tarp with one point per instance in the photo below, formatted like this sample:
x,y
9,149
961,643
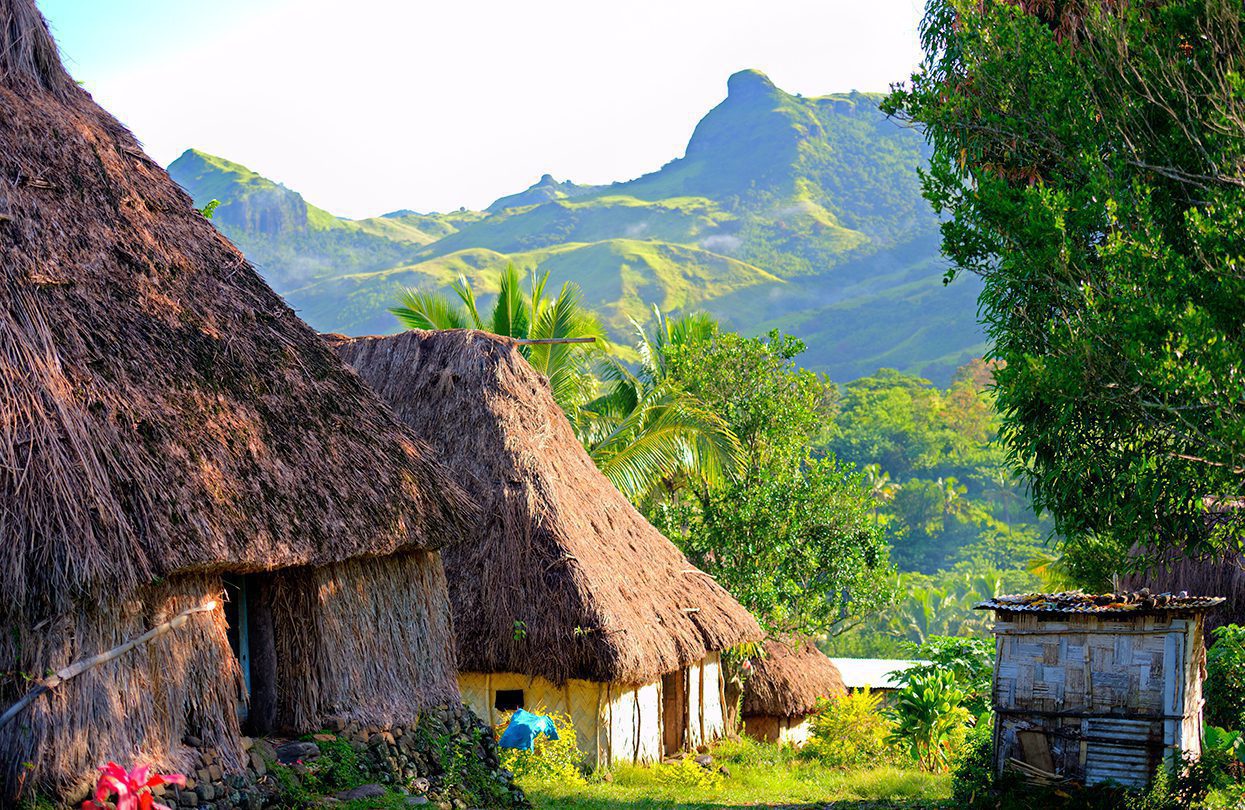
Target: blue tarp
x,y
523,729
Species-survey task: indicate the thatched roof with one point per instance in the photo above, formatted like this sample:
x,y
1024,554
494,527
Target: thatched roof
x,y
600,594
161,409
787,681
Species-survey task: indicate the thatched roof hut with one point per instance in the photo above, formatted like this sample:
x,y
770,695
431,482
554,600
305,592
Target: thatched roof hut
x,y
562,580
166,419
784,687
1218,572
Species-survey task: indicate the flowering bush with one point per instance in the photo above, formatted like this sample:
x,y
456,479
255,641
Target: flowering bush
x,y
849,731
132,788
687,773
549,760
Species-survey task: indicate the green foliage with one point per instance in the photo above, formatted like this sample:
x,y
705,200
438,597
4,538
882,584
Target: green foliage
x,y
791,536
1089,162
550,761
209,209
928,606
944,490
929,719
1225,678
972,776
968,661
791,543
850,731
522,315
772,405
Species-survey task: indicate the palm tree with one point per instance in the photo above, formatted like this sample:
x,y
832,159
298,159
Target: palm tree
x,y
880,485
646,432
524,316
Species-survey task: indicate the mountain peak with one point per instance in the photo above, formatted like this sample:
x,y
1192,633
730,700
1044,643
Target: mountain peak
x,y
545,180
748,83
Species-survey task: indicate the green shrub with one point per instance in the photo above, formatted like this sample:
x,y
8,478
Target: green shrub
x,y
1225,678
930,721
969,660
972,776
849,731
549,761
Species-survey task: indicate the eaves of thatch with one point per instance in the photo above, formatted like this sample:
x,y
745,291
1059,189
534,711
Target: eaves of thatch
x,y
789,678
561,577
161,409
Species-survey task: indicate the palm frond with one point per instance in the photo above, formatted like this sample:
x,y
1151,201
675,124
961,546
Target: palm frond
x,y
562,363
462,288
424,310
668,434
510,313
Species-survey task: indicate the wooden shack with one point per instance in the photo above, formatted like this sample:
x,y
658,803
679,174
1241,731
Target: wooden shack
x,y
1097,689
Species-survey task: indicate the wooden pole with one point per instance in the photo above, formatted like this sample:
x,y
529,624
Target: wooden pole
x,y
78,667
551,341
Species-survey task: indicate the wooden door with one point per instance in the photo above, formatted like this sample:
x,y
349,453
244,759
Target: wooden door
x,y
673,711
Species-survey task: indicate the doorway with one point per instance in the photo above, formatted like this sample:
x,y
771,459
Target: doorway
x,y
673,711
248,614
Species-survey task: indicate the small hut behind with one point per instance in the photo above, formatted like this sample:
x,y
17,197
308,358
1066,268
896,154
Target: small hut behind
x,y
564,597
1097,689
171,432
782,691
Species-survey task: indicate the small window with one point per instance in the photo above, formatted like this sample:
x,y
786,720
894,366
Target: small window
x,y
508,700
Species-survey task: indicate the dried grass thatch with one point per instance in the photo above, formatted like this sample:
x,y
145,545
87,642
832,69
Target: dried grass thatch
x,y
134,709
1220,575
562,577
368,639
161,410
787,681
164,418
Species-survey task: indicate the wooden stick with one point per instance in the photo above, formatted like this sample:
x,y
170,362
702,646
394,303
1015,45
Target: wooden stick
x,y
78,667
551,341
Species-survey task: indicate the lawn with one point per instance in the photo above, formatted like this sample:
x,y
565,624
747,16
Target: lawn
x,y
760,775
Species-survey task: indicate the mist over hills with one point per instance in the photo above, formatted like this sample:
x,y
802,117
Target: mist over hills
x,y
787,212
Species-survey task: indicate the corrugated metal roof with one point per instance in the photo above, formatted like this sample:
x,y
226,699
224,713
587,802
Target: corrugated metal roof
x,y
1133,603
874,673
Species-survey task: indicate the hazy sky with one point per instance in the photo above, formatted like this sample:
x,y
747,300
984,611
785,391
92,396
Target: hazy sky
x,y
374,105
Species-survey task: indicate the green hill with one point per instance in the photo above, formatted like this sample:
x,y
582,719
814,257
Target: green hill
x,y
798,213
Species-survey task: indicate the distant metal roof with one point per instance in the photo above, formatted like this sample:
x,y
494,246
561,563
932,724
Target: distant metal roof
x,y
1075,602
871,672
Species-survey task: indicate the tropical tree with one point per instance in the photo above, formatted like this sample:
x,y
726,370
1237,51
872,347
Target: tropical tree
x,y
1089,160
524,315
647,432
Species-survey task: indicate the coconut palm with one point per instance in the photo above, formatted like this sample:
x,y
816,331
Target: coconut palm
x,y
646,432
522,315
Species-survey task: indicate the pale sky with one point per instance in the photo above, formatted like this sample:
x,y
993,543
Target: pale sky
x,y
375,105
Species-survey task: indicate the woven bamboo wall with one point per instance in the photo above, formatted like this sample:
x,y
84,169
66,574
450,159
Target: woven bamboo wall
x,y
1096,698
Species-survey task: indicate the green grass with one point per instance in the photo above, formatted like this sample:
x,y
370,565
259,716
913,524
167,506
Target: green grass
x,y
761,775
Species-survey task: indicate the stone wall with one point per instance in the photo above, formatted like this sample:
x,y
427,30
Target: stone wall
x,y
447,760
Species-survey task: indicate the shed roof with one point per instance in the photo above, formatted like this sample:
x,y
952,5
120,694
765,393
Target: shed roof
x,y
1134,603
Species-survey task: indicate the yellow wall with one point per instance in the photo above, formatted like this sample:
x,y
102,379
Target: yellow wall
x,y
613,722
789,730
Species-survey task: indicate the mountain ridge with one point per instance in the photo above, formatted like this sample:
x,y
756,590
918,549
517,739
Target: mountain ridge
x,y
783,212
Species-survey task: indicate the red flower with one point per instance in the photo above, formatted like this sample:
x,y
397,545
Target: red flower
x,y
132,789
